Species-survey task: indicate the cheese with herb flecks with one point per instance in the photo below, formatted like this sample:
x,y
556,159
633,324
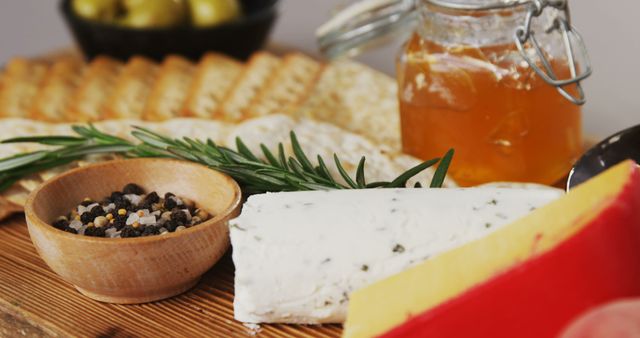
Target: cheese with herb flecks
x,y
298,255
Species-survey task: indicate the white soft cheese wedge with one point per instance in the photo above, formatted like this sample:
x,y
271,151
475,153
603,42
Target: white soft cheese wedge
x,y
299,255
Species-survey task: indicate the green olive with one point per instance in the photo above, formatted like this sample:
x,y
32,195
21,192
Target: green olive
x,y
99,10
153,13
213,12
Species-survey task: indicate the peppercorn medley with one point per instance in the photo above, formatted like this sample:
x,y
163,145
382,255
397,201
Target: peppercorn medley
x,y
132,213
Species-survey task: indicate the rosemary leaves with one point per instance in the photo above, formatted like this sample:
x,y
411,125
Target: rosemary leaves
x,y
271,172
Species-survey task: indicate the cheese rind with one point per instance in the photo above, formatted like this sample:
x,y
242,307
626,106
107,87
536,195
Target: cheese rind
x,y
299,255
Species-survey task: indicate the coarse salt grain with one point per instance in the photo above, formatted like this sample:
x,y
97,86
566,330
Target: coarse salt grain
x,y
109,207
133,198
112,232
147,220
133,217
75,224
82,209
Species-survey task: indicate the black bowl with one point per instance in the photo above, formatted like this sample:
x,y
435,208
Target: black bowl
x,y
619,147
238,39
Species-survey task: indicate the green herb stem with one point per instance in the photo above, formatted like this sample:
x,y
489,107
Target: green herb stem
x,y
276,173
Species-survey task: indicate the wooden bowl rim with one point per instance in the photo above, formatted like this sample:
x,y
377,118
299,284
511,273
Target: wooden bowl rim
x,y
33,219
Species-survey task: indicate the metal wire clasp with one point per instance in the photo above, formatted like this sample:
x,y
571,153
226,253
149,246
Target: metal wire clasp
x,y
525,34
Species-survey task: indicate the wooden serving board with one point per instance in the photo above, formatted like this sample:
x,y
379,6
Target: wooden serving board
x,y
35,302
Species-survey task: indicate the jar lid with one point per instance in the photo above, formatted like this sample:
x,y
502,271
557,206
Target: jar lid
x,y
368,23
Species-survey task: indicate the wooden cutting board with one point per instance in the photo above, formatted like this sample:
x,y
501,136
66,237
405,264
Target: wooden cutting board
x,y
35,302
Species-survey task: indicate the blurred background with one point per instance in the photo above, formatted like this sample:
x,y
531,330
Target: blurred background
x,y
34,27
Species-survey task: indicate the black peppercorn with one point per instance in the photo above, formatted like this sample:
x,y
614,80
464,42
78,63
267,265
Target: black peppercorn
x,y
179,216
86,217
169,203
152,197
122,204
171,225
150,230
86,203
133,188
95,231
144,205
61,224
129,231
71,230
119,222
116,196
97,211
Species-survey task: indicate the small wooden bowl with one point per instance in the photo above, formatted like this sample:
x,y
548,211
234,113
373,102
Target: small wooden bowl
x,y
142,269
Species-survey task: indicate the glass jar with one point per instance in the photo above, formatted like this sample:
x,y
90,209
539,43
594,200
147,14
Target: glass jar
x,y
497,81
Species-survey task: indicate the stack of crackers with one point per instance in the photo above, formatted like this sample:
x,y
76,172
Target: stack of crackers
x,y
345,93
338,107
317,138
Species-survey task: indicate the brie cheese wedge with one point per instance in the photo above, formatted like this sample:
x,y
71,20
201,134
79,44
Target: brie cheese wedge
x,y
298,255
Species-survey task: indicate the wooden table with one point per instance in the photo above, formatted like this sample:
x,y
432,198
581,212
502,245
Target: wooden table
x,y
35,302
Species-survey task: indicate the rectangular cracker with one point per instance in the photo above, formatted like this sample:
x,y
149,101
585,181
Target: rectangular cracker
x,y
288,86
169,92
214,75
95,87
132,89
19,86
358,99
255,75
56,90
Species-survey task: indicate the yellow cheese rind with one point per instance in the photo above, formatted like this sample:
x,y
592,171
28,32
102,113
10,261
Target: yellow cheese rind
x,y
378,308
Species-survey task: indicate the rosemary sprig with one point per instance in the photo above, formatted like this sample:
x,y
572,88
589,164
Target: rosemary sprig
x,y
277,173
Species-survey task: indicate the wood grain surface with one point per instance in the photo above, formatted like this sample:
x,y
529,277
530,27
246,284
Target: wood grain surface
x,y
35,302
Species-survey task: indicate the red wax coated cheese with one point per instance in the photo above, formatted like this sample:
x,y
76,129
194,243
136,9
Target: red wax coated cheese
x,y
540,296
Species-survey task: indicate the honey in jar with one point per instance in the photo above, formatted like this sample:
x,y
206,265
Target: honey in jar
x,y
496,80
504,121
